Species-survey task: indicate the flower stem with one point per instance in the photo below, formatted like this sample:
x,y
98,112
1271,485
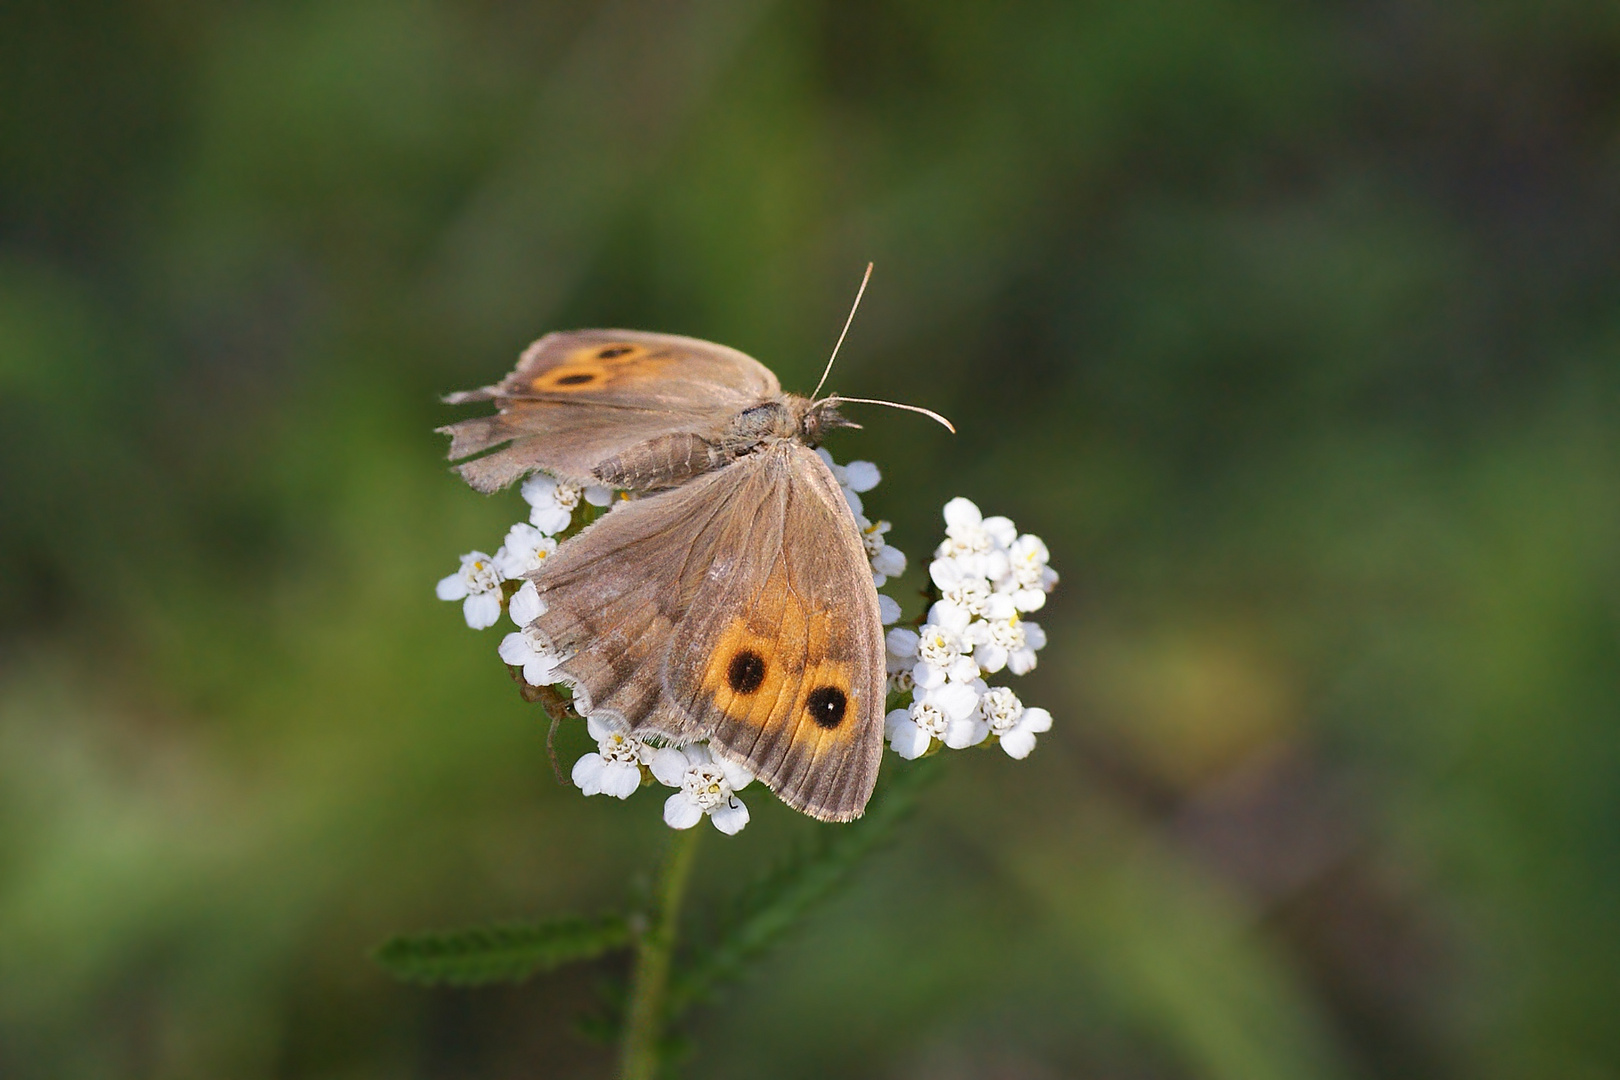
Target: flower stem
x,y
655,947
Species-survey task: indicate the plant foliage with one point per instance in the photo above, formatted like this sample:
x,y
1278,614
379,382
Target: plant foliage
x,y
504,952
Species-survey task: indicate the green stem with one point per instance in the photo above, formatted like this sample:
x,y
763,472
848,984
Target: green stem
x,y
649,979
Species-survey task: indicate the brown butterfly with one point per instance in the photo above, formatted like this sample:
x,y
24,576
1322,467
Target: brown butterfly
x,y
731,599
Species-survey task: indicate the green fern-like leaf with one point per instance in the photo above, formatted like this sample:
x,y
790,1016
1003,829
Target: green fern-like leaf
x,y
505,952
773,905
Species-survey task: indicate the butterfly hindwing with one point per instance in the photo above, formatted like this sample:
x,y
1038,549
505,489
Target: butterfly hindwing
x,y
614,597
738,607
782,661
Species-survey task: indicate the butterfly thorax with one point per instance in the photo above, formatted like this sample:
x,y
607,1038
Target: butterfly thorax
x,y
673,459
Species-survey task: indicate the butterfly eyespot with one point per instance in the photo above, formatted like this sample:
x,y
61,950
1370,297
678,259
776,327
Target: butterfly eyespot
x,y
826,706
571,376
746,673
613,351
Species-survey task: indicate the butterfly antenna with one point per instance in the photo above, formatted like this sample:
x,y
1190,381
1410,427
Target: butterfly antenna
x,y
838,399
853,308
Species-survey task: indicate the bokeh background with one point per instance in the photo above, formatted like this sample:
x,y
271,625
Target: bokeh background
x,y
1291,327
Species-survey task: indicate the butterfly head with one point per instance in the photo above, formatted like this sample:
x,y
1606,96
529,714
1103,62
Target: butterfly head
x,y
819,418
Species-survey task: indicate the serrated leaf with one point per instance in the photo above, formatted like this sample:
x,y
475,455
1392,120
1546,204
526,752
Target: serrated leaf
x,y
503,952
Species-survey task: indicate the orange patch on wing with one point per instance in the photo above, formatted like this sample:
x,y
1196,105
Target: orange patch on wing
x,y
596,366
771,678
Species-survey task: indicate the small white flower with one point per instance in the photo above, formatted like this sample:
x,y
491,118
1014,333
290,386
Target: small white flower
x,y
958,703
938,650
854,478
959,619
1007,643
526,604
1022,661
901,644
551,502
615,768
900,656
961,586
478,585
978,543
1001,709
1028,579
955,700
860,476
1021,739
527,650
525,548
938,645
888,609
1002,531
954,618
998,606
707,786
912,731
887,561
597,495
943,648
1013,724
964,530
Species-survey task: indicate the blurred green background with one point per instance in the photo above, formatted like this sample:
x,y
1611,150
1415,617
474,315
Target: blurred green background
x,y
1292,328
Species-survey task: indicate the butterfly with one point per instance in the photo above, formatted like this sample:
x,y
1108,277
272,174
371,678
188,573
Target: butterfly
x,y
730,599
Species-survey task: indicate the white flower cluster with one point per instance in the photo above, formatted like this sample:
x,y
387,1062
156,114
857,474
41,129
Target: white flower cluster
x,y
704,784
988,577
479,584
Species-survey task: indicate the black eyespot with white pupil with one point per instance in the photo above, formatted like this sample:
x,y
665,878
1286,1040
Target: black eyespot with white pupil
x,y
826,706
746,673
575,380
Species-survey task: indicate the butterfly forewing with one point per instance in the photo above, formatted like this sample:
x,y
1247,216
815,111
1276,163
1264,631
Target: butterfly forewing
x,y
580,397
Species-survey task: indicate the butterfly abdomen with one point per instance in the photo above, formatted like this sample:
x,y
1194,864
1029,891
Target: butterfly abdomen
x,y
666,461
671,460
